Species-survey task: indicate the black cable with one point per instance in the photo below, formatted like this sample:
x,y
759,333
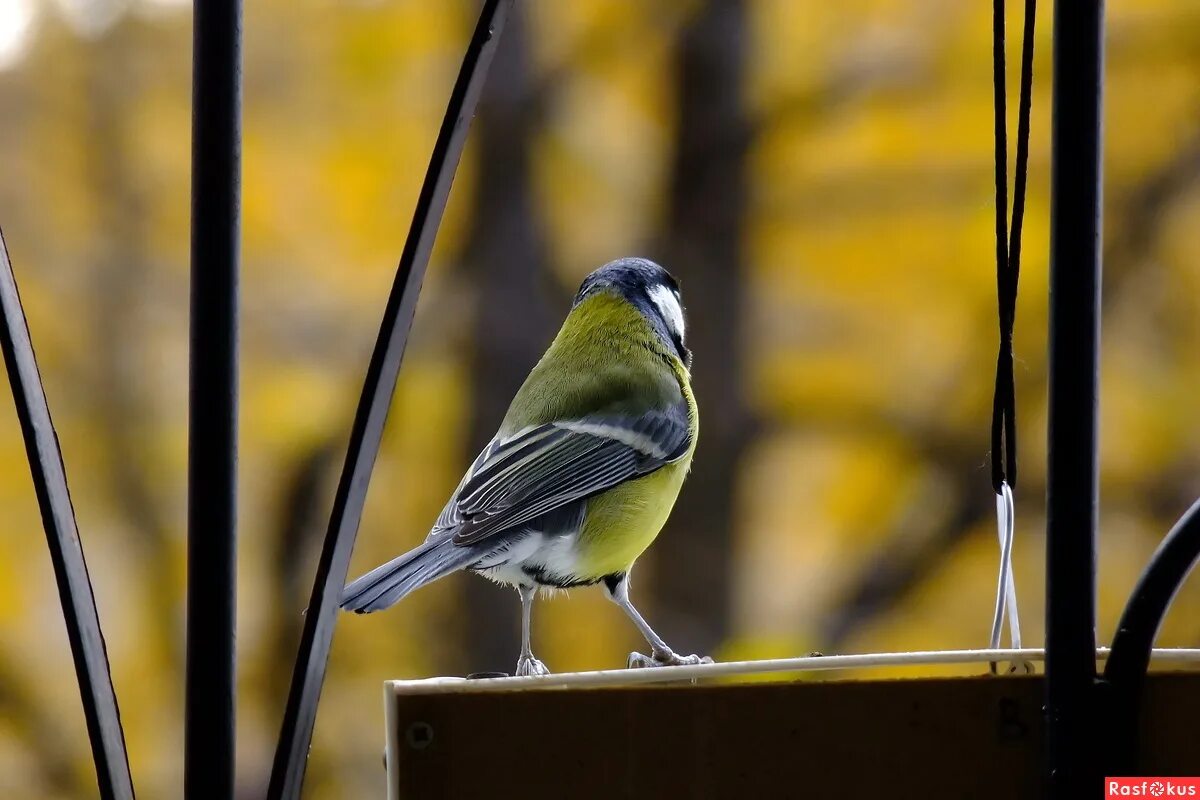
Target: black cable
x,y
1008,240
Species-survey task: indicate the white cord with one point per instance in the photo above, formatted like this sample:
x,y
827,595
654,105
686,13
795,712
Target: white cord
x,y
628,677
1006,583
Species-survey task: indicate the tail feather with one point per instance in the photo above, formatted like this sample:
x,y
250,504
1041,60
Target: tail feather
x,y
388,584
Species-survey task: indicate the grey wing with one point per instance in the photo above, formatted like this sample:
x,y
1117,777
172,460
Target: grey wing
x,y
523,477
450,518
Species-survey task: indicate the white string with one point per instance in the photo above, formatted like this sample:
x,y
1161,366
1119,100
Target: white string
x,y
1006,582
627,677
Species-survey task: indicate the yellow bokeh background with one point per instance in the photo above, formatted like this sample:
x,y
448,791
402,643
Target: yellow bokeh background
x,y
866,332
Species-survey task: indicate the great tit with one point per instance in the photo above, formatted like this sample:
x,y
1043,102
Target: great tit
x,y
585,468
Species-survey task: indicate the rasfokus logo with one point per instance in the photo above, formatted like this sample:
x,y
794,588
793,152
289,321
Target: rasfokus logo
x,y
1151,787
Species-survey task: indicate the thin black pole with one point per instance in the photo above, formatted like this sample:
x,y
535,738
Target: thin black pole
x,y
308,676
49,475
212,435
1072,486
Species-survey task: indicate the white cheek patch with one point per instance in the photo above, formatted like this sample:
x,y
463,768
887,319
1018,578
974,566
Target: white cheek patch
x,y
668,305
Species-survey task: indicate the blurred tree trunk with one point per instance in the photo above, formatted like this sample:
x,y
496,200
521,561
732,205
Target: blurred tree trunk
x,y
506,264
121,271
909,558
702,246
298,528
38,741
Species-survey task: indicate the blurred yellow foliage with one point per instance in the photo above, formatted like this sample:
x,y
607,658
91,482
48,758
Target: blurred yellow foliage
x,y
867,338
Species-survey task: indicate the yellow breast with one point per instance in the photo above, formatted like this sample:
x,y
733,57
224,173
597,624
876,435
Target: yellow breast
x,y
621,523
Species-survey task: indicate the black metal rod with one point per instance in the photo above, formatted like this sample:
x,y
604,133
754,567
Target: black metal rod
x,y
49,474
212,435
1129,660
291,754
1072,484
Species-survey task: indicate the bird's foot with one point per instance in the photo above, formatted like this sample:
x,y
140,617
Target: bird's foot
x,y
528,665
665,658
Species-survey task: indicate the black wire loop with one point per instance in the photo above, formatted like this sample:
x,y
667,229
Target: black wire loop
x,y
366,434
100,711
1008,239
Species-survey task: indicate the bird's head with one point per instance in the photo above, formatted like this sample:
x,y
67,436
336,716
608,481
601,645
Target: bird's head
x,y
651,290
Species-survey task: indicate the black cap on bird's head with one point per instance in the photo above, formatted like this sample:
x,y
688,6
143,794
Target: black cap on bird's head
x,y
651,290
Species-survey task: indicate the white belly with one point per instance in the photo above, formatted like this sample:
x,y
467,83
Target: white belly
x,y
552,555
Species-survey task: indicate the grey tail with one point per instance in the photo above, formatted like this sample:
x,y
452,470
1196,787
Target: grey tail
x,y
386,585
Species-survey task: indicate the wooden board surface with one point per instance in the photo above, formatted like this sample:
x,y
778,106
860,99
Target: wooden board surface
x,y
936,738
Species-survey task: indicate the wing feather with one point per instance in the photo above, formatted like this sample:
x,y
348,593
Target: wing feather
x,y
539,469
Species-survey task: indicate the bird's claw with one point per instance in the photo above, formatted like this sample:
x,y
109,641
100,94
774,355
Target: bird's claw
x,y
530,666
665,659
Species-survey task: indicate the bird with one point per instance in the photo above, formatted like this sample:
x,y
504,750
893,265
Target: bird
x,y
585,468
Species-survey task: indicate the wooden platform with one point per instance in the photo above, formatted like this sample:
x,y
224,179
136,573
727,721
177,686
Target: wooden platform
x,y
971,738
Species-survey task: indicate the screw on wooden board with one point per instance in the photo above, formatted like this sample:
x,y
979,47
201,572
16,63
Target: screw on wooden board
x,y
419,735
1011,725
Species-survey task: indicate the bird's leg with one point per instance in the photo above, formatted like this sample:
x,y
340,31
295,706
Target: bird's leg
x,y
527,664
660,654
